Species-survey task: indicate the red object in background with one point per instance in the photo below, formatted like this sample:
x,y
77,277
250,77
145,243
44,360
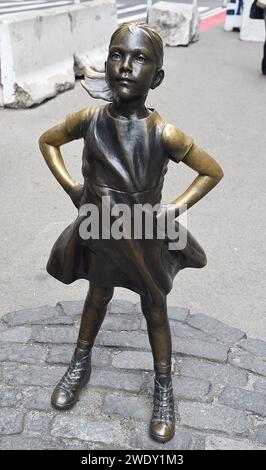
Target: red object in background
x,y
212,21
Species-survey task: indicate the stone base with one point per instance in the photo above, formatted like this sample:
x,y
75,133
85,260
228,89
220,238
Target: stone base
x,y
219,381
177,23
38,49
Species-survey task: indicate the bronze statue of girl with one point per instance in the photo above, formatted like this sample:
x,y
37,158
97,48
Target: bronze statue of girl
x,y
127,148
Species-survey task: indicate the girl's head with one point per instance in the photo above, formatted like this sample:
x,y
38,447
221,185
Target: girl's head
x,y
133,65
133,28
134,61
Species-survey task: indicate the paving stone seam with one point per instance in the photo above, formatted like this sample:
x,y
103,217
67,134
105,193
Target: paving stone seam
x,y
183,428
128,393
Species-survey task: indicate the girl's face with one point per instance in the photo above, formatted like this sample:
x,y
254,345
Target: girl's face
x,y
131,65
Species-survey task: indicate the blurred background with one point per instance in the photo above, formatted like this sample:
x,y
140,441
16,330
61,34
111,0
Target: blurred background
x,y
213,91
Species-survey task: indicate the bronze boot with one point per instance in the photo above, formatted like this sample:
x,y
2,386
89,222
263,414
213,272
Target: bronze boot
x,y
162,425
67,391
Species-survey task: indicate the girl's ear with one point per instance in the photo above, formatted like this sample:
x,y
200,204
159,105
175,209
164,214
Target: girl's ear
x,y
157,79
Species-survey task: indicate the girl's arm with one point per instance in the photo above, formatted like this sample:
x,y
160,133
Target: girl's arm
x,y
209,174
209,171
50,143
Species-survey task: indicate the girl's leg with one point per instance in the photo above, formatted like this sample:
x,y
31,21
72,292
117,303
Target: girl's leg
x,y
162,425
77,375
93,314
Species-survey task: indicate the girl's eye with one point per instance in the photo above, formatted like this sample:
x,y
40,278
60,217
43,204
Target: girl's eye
x,y
115,56
141,59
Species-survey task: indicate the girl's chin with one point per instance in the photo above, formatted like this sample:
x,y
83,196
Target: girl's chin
x,y
125,96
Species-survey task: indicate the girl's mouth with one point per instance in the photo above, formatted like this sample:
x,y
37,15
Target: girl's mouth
x,y
125,80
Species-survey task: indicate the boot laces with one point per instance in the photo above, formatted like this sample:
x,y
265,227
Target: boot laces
x,y
163,403
71,380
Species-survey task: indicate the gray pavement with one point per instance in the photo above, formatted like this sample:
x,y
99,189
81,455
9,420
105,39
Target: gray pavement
x,y
214,92
219,382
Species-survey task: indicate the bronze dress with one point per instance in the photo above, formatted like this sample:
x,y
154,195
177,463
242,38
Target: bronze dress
x,y
126,161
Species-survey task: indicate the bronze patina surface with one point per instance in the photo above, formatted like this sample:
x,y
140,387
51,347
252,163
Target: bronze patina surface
x,y
127,148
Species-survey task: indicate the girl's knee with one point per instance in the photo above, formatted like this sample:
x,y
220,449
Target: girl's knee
x,y
100,296
156,314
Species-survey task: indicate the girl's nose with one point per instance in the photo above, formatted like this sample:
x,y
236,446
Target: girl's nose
x,y
126,64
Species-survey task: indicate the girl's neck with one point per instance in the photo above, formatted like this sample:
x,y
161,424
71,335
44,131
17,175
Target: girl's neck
x,y
129,109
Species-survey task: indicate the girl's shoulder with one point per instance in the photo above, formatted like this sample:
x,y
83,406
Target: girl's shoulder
x,y
77,123
176,142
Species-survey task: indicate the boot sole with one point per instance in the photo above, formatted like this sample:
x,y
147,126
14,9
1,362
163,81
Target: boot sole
x,y
161,439
63,407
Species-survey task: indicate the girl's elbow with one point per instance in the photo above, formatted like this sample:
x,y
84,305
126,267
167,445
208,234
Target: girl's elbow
x,y
219,174
42,140
46,140
214,178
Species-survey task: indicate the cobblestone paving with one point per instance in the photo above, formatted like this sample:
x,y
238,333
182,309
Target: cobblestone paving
x,y
219,378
